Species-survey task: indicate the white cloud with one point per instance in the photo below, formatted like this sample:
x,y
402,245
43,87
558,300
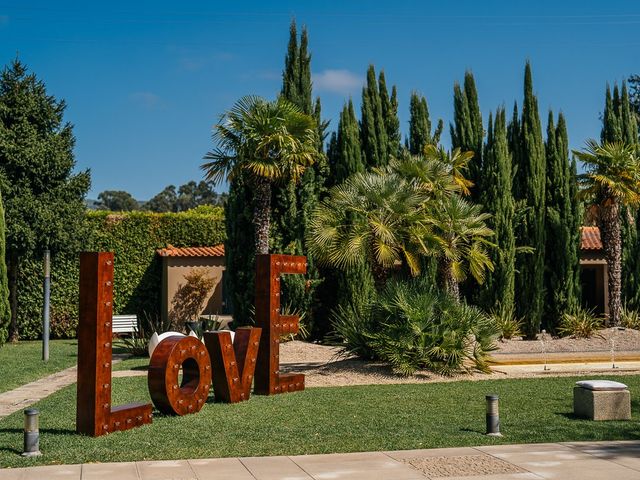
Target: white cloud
x,y
337,81
145,99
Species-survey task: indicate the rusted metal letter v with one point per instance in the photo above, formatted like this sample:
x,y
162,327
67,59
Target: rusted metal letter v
x,y
234,363
94,415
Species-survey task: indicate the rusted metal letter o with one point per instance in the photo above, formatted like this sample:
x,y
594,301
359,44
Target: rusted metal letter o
x,y
169,395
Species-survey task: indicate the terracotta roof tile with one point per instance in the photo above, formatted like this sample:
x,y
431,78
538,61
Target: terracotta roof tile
x,y
171,251
590,238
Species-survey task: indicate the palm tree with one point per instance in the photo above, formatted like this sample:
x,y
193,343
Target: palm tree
x,y
456,162
611,180
459,230
375,215
267,141
429,173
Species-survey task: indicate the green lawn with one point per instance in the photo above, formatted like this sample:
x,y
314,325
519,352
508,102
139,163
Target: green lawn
x,y
322,420
22,363
132,363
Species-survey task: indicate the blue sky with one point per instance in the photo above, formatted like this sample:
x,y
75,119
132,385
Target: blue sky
x,y
145,81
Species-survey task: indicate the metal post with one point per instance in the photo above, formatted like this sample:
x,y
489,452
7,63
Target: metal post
x,y
493,416
46,309
31,433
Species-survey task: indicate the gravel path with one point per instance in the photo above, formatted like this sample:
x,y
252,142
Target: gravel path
x,y
323,366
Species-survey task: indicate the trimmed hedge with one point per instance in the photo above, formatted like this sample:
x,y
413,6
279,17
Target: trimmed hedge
x,y
134,237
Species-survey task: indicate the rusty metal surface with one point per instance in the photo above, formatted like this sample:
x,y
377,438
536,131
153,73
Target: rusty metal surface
x,y
269,268
169,395
233,364
94,415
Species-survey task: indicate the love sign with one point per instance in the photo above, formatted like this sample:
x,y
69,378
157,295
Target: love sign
x,y
229,367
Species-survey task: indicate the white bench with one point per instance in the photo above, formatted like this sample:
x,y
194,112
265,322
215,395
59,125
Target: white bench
x,y
124,323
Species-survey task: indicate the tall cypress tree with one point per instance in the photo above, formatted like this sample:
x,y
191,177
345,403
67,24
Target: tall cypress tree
x,y
420,125
531,189
390,116
297,88
497,199
466,131
562,271
374,126
5,309
346,157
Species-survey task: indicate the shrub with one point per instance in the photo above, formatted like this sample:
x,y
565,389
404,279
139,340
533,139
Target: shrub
x,y
354,328
414,326
581,323
508,325
630,318
425,328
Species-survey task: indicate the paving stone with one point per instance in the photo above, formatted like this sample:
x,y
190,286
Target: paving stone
x,y
220,469
355,466
274,468
166,470
110,471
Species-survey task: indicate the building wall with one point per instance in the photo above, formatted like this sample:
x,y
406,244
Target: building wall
x,y
174,270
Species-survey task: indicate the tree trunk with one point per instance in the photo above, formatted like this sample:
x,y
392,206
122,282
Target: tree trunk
x,y
612,245
261,214
14,335
448,280
380,275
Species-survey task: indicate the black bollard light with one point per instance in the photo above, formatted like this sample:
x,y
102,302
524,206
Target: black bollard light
x,y
493,416
31,433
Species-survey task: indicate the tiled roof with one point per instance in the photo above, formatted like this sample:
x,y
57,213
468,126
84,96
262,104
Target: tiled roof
x,y
171,251
591,238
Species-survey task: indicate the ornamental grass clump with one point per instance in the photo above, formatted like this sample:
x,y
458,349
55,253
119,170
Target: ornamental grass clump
x,y
509,326
630,318
580,323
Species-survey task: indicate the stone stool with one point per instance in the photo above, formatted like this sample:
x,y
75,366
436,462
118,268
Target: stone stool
x,y
602,400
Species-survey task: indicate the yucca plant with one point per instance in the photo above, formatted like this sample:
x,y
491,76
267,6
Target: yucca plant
x,y
509,326
630,318
580,323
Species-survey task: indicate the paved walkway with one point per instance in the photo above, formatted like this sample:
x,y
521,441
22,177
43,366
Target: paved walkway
x,y
565,461
26,395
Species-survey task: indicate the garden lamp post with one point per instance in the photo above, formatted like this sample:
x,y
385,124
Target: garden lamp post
x,y
31,446
46,308
493,416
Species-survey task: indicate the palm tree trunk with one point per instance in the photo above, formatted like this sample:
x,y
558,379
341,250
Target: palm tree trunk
x,y
380,276
612,245
448,280
261,214
14,335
